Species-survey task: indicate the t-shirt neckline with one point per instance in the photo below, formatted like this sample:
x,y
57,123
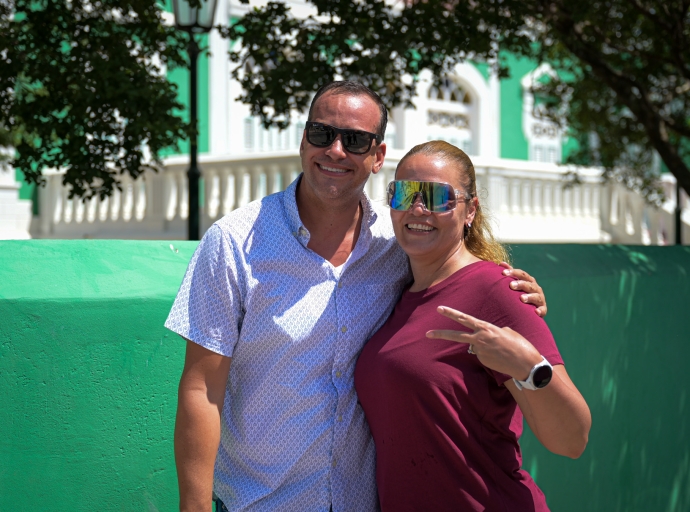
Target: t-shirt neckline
x,y
422,294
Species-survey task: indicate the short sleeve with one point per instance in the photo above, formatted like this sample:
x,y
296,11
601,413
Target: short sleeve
x,y
505,309
208,307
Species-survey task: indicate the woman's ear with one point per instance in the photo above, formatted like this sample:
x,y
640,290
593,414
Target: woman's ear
x,y
472,206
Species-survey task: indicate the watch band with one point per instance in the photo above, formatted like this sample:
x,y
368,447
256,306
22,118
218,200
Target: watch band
x,y
542,381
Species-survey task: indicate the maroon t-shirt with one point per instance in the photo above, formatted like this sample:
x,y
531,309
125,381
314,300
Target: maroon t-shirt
x,y
446,429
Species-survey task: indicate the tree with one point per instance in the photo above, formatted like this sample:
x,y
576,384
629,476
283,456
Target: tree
x,y
623,86
82,89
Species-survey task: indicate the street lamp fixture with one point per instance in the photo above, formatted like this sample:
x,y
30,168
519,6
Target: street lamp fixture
x,y
193,20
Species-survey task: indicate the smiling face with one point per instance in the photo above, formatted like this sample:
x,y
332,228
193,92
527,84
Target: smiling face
x,y
332,174
425,235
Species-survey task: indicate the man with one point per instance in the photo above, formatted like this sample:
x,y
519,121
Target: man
x,y
289,288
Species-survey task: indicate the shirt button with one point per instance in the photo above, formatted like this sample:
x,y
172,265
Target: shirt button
x,y
340,418
343,329
338,374
340,284
334,462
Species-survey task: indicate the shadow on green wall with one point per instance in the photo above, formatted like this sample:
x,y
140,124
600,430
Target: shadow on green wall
x,y
88,374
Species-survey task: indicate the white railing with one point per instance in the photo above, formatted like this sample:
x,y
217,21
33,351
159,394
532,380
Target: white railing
x,y
630,220
527,201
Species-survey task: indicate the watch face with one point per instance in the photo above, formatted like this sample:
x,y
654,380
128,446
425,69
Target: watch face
x,y
542,376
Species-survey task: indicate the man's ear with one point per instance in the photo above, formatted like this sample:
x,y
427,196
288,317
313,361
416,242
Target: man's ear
x,y
379,156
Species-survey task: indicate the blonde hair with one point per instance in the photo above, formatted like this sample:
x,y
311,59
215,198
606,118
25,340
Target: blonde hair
x,y
479,239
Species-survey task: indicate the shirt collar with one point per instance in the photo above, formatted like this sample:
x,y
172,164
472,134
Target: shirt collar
x,y
302,234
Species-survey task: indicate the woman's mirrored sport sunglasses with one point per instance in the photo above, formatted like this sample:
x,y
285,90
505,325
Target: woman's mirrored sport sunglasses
x,y
435,196
355,141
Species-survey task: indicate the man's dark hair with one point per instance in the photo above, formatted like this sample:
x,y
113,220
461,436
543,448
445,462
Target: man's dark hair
x,y
354,89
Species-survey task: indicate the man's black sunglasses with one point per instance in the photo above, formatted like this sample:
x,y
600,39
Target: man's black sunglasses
x,y
355,141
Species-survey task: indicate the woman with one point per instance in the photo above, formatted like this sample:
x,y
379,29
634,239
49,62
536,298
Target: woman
x,y
445,407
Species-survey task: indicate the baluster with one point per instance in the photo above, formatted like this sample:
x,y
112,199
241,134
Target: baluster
x,y
127,199
548,199
103,209
91,208
227,190
183,194
614,206
170,194
499,184
526,199
116,200
558,197
537,198
140,202
567,201
586,200
244,190
628,216
255,173
514,200
57,194
68,208
79,208
274,179
577,201
212,193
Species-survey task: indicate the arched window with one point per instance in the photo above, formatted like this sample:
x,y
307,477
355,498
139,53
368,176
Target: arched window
x,y
451,114
543,136
449,91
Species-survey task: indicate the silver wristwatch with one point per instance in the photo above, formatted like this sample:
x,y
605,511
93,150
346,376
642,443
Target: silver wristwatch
x,y
538,378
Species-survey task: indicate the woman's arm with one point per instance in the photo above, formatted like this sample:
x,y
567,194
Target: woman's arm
x,y
557,414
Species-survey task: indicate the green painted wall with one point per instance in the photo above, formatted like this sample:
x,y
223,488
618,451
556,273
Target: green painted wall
x,y
513,141
620,317
180,77
88,375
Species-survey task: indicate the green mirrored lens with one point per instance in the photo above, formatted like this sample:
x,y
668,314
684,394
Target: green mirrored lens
x,y
436,197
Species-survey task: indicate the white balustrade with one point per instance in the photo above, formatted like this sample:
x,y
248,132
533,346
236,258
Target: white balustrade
x,y
630,220
525,201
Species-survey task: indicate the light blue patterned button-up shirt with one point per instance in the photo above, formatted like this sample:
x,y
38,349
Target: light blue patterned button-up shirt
x,y
293,436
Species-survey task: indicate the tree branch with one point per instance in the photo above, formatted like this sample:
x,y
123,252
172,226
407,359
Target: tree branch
x,y
624,86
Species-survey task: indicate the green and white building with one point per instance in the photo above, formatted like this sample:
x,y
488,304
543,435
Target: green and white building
x,y
516,157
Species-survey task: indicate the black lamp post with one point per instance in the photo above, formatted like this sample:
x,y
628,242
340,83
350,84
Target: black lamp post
x,y
679,218
193,20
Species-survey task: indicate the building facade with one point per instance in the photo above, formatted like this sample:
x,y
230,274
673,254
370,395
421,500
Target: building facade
x,y
516,156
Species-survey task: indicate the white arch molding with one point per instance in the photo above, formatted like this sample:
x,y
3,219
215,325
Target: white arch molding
x,y
413,124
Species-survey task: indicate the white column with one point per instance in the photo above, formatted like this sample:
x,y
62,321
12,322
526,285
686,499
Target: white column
x,y
492,140
219,86
15,213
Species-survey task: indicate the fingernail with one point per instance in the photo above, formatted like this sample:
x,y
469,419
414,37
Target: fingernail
x,y
524,298
506,272
513,284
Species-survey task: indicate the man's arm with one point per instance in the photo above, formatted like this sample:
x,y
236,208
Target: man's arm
x,y
197,425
